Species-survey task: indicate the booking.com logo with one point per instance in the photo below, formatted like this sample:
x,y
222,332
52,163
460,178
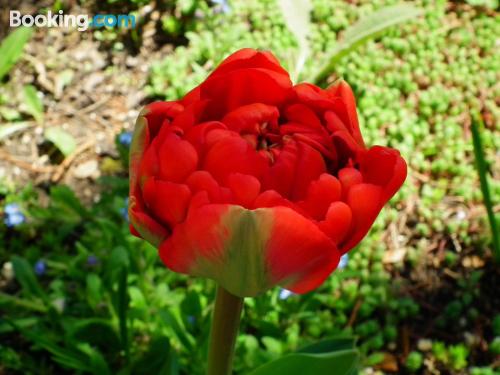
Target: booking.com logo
x,y
81,21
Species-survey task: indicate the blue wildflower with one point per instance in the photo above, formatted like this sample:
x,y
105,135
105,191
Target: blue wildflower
x,y
125,139
191,319
285,293
343,261
92,260
124,210
40,267
13,215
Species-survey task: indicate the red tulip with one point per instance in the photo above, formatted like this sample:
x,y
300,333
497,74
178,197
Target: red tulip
x,y
254,182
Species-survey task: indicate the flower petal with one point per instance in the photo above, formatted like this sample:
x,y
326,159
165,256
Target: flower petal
x,y
248,117
365,201
337,221
325,190
242,87
346,108
249,58
177,159
233,155
299,255
245,188
249,251
157,112
166,200
385,167
145,225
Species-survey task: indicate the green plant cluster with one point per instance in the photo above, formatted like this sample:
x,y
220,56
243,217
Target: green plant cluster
x,y
103,303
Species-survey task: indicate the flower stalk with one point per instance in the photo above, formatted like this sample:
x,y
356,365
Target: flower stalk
x,y
225,323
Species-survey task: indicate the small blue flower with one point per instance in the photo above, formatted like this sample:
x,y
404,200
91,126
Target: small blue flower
x,y
92,260
40,267
13,215
285,293
343,261
125,139
191,319
124,210
222,6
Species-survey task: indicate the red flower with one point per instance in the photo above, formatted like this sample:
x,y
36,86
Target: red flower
x,y
254,182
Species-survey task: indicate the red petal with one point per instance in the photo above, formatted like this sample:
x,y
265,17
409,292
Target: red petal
x,y
280,175
201,236
168,201
203,181
249,58
349,177
248,117
177,158
383,166
233,155
302,114
140,142
156,113
190,116
197,134
310,165
320,194
337,222
366,202
245,188
300,256
241,87
149,165
347,109
146,226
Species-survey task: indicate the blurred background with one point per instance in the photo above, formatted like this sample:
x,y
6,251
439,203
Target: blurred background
x,y
79,294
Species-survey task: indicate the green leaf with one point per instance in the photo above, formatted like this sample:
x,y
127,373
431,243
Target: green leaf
x,y
96,332
65,203
6,327
97,363
297,16
482,170
61,139
160,359
71,358
122,309
8,130
94,287
177,328
24,274
33,102
12,48
333,356
341,362
365,29
329,345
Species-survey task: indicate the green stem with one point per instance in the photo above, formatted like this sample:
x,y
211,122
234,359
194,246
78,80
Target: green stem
x,y
225,323
482,170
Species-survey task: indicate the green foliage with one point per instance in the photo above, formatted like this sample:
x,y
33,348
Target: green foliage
x,y
61,139
485,188
106,304
12,48
365,29
334,356
33,103
414,361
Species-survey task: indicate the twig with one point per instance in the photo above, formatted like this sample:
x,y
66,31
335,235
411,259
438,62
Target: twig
x,y
354,313
24,164
61,168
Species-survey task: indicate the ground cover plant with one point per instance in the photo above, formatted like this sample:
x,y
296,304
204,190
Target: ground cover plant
x,y
79,294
